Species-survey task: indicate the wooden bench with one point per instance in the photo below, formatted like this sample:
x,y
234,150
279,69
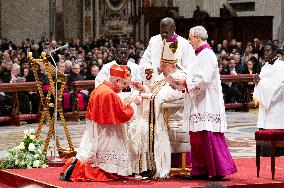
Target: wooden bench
x,y
76,86
239,78
272,140
14,88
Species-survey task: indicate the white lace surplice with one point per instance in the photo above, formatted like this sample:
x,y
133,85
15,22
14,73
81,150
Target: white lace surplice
x,y
105,146
204,105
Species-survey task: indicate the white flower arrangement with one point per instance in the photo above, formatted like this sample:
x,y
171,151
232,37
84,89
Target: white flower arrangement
x,y
28,154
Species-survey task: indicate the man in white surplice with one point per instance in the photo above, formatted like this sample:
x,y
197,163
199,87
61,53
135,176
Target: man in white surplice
x,y
204,112
165,137
269,91
152,54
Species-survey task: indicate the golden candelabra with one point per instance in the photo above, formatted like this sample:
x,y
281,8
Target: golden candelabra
x,y
47,106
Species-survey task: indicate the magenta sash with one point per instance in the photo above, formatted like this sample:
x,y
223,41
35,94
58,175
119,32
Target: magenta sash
x,y
81,104
66,100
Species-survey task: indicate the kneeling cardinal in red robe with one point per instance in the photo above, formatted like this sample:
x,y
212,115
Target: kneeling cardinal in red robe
x,y
103,154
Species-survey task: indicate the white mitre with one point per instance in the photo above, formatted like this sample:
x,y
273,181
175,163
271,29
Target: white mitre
x,y
170,54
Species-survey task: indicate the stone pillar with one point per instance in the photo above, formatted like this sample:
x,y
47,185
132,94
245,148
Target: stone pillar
x,y
52,18
0,19
97,19
73,19
59,23
281,32
87,19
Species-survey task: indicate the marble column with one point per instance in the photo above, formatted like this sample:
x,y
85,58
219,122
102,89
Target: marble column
x,y
73,19
59,23
97,19
0,18
281,32
24,19
52,18
87,19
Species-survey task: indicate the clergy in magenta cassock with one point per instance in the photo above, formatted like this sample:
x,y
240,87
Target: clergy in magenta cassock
x,y
204,112
103,153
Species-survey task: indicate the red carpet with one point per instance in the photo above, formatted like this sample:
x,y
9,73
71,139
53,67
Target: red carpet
x,y
245,177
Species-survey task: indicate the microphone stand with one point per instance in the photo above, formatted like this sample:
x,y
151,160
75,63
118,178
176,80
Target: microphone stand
x,y
55,159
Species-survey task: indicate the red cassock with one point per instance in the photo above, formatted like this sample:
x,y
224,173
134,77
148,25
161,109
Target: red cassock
x,y
105,107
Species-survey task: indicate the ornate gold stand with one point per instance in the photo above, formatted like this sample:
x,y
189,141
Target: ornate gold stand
x,y
47,105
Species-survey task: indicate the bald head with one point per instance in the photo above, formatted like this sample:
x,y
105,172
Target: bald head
x,y
167,28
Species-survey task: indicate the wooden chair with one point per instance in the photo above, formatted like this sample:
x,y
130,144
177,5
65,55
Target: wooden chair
x,y
272,139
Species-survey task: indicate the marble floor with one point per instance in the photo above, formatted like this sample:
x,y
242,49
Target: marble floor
x,y
240,135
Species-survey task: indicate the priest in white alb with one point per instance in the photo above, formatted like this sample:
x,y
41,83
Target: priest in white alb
x,y
269,91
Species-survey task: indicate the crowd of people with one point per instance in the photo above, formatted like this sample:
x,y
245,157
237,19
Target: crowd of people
x,y
83,61
152,104
234,58
79,62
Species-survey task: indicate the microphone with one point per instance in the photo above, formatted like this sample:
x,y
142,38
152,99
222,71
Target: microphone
x,y
60,48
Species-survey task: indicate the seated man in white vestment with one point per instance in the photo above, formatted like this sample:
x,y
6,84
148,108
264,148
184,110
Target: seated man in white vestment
x,y
166,133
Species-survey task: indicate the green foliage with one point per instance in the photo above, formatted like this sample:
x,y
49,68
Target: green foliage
x,y
28,154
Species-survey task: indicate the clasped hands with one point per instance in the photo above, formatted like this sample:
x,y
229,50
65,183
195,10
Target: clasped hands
x,y
136,99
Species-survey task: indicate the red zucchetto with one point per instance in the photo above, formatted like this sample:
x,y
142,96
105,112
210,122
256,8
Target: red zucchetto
x,y
118,71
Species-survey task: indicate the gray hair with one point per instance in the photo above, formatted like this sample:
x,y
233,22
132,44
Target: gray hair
x,y
15,66
68,63
199,31
168,21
